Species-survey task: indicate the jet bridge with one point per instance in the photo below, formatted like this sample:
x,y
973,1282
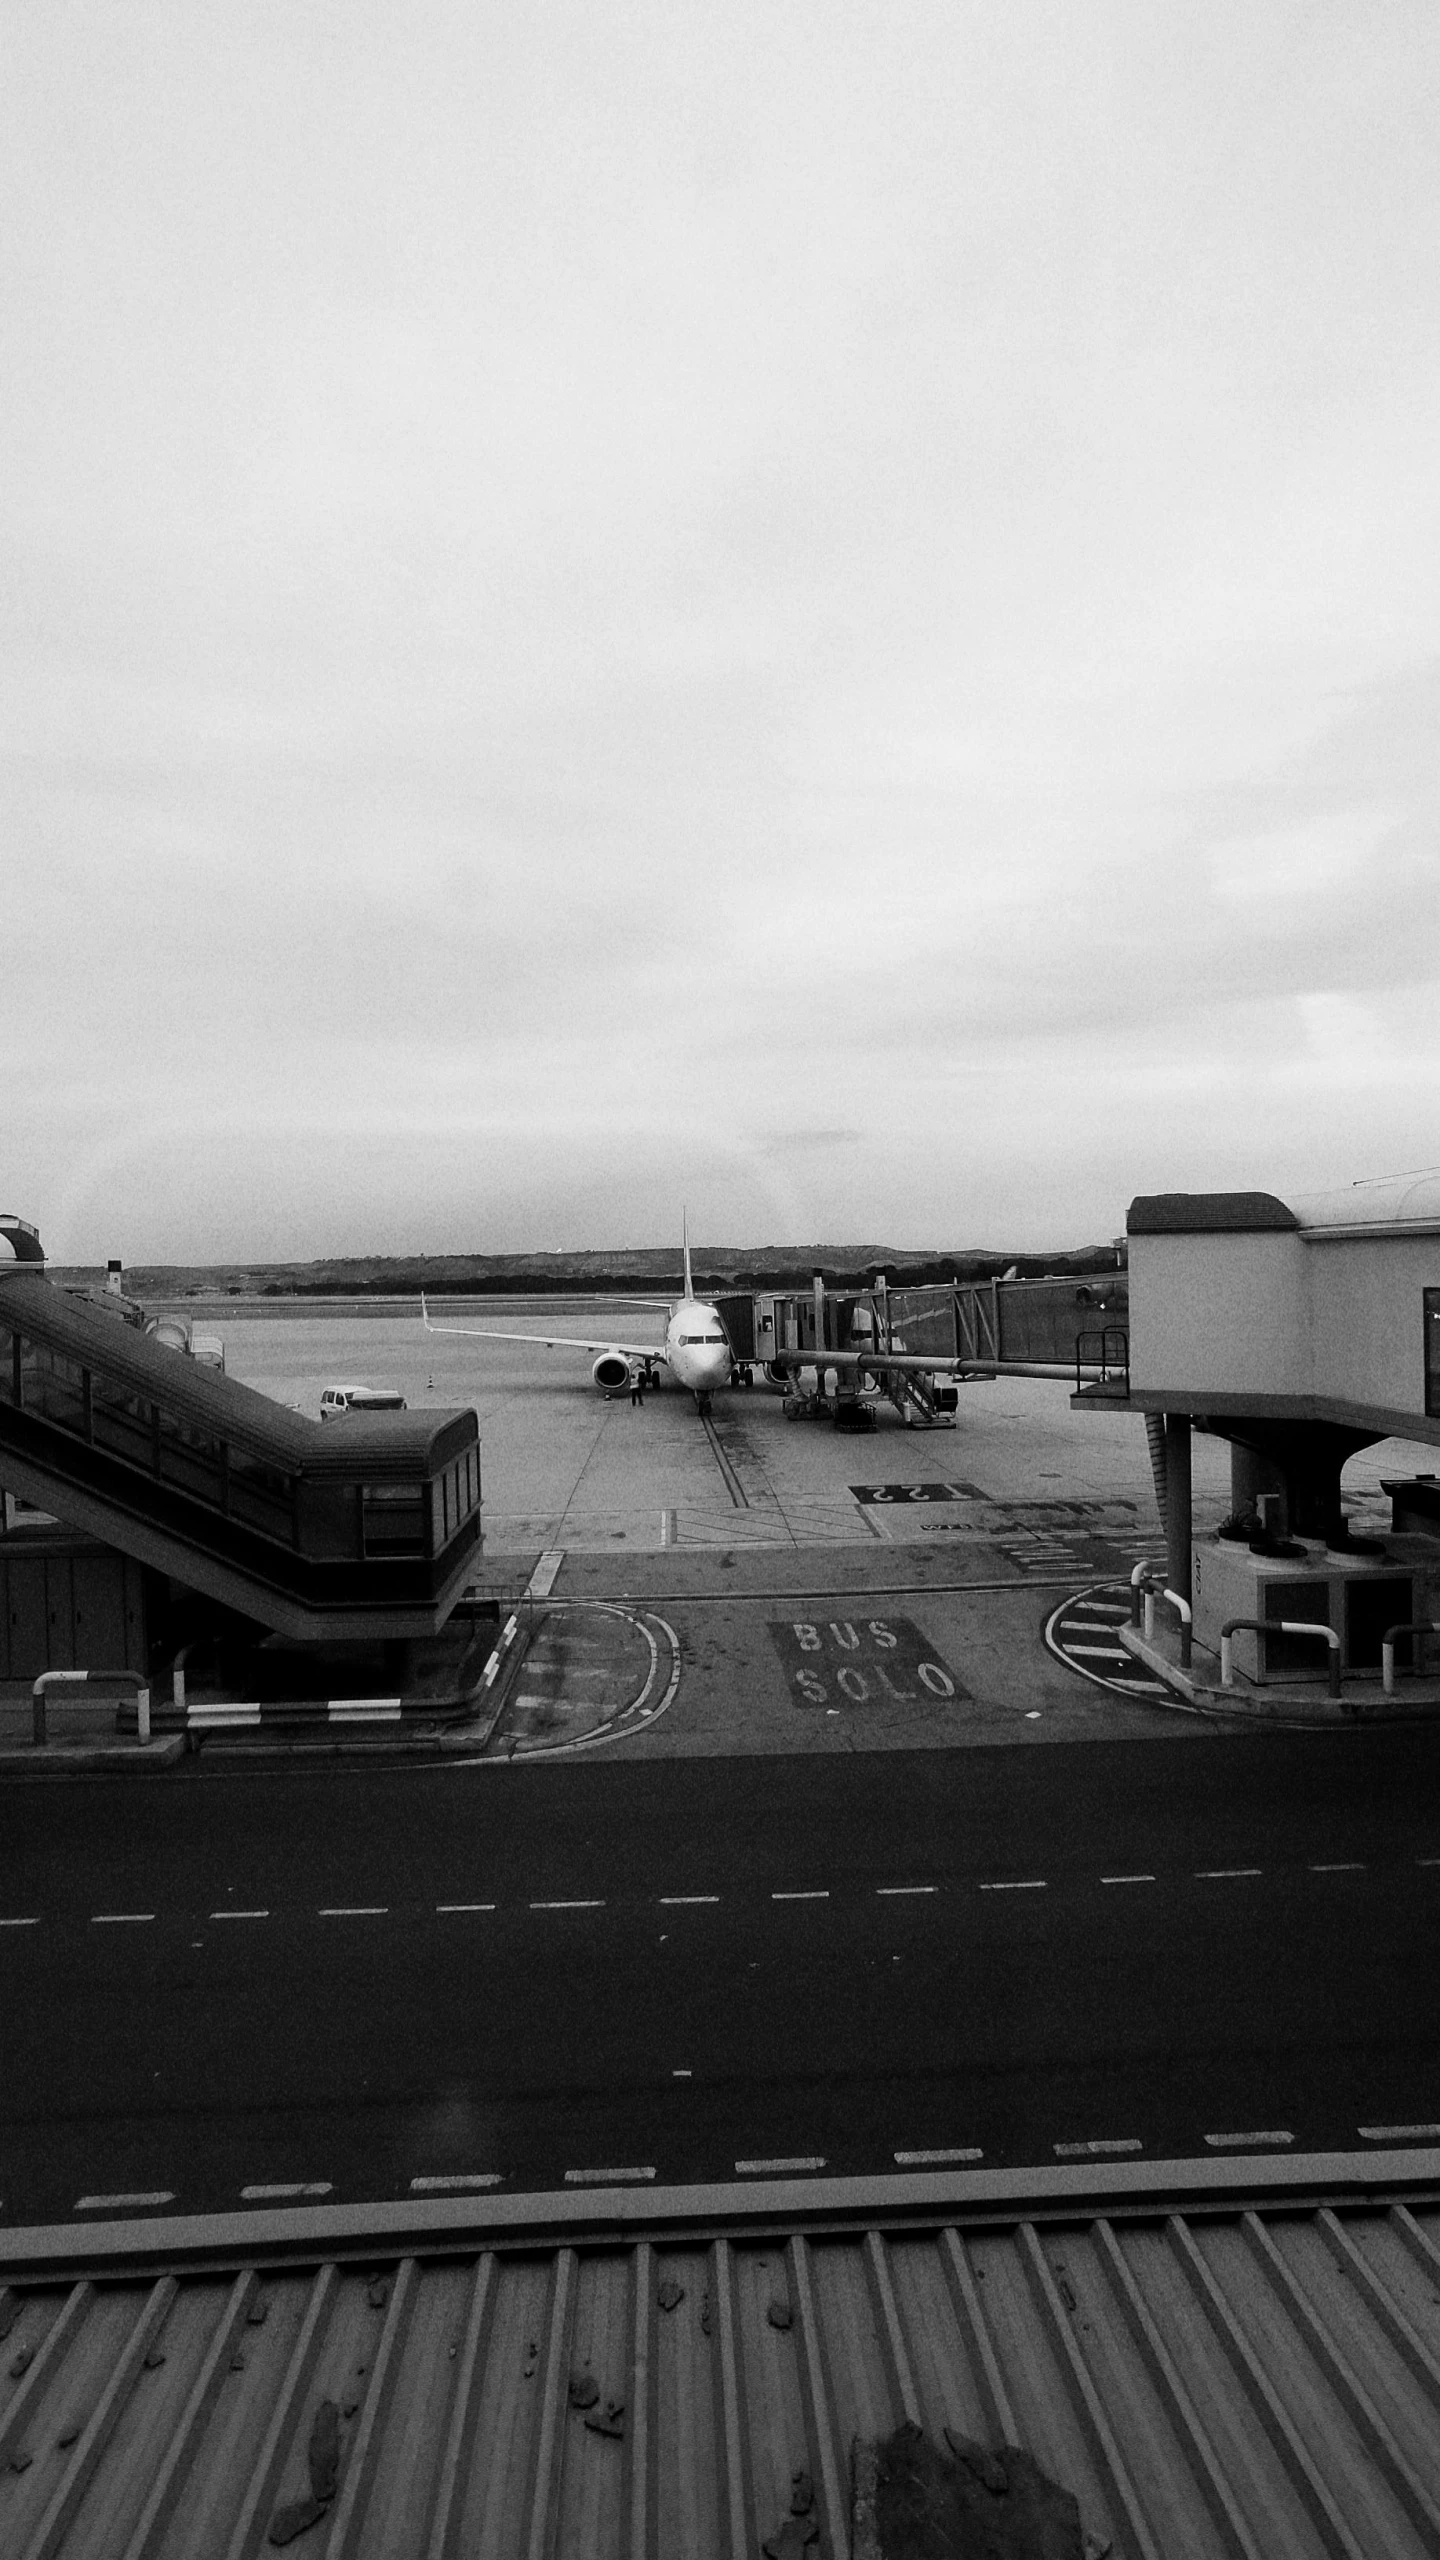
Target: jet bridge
x,y
365,1527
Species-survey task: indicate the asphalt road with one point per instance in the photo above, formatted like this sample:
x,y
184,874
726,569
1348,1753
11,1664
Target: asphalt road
x,y
352,1981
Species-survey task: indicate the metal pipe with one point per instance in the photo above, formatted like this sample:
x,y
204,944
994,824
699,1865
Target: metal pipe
x,y
1278,1627
39,1721
1414,1627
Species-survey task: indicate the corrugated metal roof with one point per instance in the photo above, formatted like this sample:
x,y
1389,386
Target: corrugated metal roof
x,y
1260,2381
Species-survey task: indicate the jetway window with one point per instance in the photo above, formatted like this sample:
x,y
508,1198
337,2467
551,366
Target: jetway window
x,y
262,1497
1432,1352
453,1499
394,1519
47,1383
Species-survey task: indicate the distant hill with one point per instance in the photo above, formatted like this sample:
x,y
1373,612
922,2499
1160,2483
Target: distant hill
x,y
479,1275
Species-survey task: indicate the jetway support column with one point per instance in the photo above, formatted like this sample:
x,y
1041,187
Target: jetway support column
x,y
1177,1502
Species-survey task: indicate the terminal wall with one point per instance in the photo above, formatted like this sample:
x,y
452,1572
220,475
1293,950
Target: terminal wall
x,y
1368,1300
1228,1313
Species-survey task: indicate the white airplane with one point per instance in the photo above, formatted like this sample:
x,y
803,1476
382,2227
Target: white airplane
x,y
696,1348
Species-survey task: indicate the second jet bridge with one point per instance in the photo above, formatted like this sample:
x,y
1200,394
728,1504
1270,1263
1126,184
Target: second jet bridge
x,y
369,1526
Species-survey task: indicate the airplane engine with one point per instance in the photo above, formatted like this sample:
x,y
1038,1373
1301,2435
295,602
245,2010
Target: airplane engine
x,y
777,1376
611,1370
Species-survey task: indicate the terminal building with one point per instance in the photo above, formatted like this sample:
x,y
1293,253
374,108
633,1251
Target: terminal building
x,y
1301,1331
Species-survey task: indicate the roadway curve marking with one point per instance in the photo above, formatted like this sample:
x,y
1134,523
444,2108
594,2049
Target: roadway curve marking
x,y
1081,1634
566,1725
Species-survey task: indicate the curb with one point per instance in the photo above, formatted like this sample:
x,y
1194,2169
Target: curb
x,y
73,1759
1300,1708
287,1734
552,2217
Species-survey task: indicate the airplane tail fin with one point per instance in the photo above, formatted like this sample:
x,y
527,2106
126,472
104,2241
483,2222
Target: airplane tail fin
x,y
685,1236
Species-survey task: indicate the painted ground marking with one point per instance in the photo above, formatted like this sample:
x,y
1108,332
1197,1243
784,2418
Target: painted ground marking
x,y
123,2204
458,2185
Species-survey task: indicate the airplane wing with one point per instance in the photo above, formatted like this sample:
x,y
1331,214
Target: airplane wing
x,y
549,1341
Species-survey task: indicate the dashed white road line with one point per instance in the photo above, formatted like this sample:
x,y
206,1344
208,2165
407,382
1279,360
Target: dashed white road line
x,y
458,2185
464,1906
283,2190
1339,1867
353,1910
28,1923
685,1901
1399,2132
607,2177
778,2168
815,1893
888,1892
1138,1879
1224,1875
1018,1884
103,1919
567,1906
239,1915
1101,2150
1246,2141
937,2159
123,2204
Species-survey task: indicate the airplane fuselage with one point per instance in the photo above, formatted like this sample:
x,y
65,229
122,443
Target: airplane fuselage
x,y
697,1348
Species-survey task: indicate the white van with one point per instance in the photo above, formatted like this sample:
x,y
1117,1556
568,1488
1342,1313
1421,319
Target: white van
x,y
337,1400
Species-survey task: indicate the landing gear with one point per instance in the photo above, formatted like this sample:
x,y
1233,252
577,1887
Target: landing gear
x,y
703,1407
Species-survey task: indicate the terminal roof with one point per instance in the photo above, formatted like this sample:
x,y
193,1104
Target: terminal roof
x,y
1399,1204
1187,1213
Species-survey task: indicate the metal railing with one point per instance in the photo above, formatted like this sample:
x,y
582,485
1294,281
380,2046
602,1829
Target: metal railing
x,y
39,1723
1112,1362
1419,1627
1277,1627
1145,1588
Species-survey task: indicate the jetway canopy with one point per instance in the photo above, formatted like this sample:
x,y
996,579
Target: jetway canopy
x,y
362,1527
1320,1309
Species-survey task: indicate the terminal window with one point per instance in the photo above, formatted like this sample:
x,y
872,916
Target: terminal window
x,y
1432,1351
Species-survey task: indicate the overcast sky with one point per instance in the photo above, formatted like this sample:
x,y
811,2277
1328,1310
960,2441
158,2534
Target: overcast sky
x,y
826,612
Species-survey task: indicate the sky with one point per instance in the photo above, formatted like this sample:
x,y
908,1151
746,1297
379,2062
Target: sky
x,y
821,614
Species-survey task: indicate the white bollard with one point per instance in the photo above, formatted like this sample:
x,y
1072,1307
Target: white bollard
x,y
1227,1679
142,1714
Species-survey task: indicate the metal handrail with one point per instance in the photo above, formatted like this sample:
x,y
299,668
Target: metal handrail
x,y
39,1724
1139,1582
1412,1627
1104,1334
1186,1616
1277,1627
